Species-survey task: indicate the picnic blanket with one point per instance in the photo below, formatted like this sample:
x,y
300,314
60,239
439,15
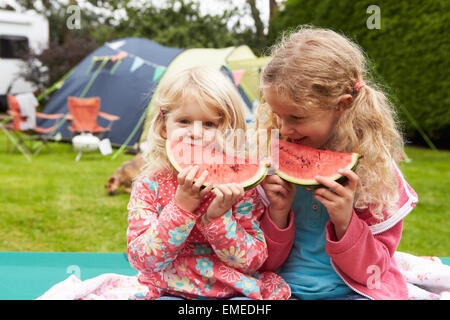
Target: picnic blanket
x,y
428,278
108,286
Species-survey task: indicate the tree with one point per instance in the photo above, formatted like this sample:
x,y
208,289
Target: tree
x,y
178,24
409,53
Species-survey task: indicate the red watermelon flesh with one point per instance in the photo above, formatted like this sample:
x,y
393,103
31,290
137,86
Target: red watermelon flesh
x,y
300,164
222,168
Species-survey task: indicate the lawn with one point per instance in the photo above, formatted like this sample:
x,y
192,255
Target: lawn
x,y
56,204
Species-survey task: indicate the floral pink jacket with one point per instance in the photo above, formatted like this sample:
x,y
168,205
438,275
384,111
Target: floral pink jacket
x,y
363,257
176,254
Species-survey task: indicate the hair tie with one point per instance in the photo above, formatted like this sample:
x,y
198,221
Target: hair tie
x,y
358,85
160,112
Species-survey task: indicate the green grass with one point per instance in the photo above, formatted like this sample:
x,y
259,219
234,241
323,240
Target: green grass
x,y
56,204
427,228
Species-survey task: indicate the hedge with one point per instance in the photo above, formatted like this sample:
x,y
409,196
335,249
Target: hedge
x,y
410,52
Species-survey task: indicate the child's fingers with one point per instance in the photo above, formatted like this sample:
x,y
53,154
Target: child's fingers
x,y
323,200
326,194
206,190
352,177
238,191
224,191
276,181
227,192
273,179
182,175
276,188
199,182
190,176
333,185
219,194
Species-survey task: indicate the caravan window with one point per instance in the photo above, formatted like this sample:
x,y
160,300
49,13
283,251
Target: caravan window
x,y
13,47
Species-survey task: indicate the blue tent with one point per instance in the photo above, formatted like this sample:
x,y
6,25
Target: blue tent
x,y
125,73
138,72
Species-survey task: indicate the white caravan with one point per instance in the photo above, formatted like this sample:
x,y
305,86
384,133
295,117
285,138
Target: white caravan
x,y
18,31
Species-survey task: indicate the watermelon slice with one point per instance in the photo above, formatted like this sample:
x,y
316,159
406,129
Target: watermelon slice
x,y
300,164
221,168
292,162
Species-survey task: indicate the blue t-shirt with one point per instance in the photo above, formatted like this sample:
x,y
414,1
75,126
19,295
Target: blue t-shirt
x,y
308,269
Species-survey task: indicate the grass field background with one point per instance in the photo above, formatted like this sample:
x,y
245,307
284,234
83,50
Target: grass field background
x,y
56,204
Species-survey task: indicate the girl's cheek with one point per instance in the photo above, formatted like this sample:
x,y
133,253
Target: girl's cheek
x,y
278,122
209,135
177,133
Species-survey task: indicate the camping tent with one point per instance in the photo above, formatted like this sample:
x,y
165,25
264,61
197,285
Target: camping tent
x,y
126,72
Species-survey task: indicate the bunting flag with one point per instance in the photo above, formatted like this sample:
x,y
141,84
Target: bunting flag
x,y
116,65
159,71
120,55
116,45
96,65
237,76
109,64
137,63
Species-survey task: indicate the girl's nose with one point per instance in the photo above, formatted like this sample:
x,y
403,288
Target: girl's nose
x,y
195,131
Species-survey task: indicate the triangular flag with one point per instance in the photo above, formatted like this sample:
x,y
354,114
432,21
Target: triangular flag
x,y
96,65
116,45
237,76
137,63
159,71
120,55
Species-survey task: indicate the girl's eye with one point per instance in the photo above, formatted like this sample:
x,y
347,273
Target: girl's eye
x,y
183,121
209,124
297,118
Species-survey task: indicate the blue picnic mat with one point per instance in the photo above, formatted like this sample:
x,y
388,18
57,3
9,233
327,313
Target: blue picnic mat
x,y
28,275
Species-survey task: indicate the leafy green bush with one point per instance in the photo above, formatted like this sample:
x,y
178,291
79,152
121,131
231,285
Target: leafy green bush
x,y
410,52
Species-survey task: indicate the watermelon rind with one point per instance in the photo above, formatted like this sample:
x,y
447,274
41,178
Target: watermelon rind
x,y
247,184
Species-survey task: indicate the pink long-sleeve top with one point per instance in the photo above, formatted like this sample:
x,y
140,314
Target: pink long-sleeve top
x,y
176,254
363,257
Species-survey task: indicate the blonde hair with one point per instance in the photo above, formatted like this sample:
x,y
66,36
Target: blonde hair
x,y
314,67
210,88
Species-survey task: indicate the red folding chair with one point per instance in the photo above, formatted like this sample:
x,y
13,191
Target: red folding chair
x,y
19,135
83,115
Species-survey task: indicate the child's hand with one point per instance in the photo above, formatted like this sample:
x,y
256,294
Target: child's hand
x,y
189,194
226,196
339,201
280,194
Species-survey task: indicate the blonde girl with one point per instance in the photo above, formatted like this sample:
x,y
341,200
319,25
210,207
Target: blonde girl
x,y
187,241
318,92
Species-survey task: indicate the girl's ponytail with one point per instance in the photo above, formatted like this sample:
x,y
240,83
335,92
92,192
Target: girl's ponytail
x,y
369,128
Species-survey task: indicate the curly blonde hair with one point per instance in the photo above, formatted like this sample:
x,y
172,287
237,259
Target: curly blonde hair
x,y
315,67
210,88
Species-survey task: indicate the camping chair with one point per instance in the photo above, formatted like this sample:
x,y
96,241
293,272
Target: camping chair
x,y
21,125
83,113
